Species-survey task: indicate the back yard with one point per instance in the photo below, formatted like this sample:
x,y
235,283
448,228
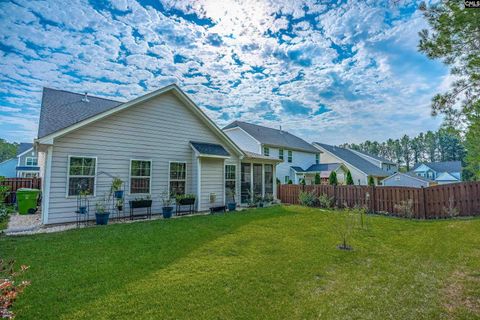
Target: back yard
x,y
278,262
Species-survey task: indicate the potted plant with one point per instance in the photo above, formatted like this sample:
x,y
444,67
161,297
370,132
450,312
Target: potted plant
x,y
185,199
232,205
119,204
82,208
167,207
144,202
101,213
116,188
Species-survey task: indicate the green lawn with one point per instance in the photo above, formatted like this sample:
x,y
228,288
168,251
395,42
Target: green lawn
x,y
273,263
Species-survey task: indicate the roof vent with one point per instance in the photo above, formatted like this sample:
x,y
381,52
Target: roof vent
x,y
281,129
85,98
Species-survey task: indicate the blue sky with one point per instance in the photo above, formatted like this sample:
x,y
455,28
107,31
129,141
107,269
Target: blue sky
x,y
340,71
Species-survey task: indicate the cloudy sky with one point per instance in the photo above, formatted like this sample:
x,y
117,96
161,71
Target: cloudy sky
x,y
340,71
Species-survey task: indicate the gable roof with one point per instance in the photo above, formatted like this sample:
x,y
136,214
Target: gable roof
x,y
443,166
324,167
354,160
273,137
381,159
409,175
104,111
211,149
445,176
23,146
61,109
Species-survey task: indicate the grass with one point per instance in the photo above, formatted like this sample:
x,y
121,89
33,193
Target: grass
x,y
272,263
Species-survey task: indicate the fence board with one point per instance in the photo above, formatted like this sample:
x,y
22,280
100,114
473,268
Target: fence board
x,y
17,183
427,203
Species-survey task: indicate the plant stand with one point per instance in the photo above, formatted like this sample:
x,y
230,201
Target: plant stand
x,y
140,204
189,203
82,212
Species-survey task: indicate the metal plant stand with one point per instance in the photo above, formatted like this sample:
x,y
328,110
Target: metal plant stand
x,y
83,209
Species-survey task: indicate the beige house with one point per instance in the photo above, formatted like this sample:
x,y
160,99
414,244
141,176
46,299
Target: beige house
x,y
161,141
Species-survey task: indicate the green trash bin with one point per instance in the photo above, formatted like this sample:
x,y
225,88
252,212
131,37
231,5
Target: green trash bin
x,y
27,200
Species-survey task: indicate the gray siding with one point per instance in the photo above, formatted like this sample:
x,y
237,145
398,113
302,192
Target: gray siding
x,y
159,130
402,180
212,182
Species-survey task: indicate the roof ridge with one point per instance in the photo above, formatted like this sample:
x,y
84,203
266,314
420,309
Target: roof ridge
x,y
82,94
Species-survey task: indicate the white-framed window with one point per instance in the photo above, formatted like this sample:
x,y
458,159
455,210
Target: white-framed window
x,y
81,175
140,176
290,156
280,154
266,151
287,178
317,158
230,179
31,161
178,177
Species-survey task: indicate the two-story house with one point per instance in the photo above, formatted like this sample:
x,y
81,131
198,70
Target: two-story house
x,y
23,165
441,172
295,152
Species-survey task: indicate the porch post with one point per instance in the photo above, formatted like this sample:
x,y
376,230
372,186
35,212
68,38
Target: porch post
x,y
251,181
274,173
263,180
199,184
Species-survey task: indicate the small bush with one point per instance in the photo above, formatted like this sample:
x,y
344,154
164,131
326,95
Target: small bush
x,y
324,201
451,211
290,182
9,288
317,179
349,179
332,179
307,198
404,208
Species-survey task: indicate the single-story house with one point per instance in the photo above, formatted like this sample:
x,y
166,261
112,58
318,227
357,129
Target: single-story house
x,y
323,170
361,167
407,179
23,165
292,151
442,172
161,141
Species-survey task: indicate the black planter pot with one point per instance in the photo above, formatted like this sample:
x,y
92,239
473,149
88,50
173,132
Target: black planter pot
x,y
102,218
140,203
186,202
167,212
119,208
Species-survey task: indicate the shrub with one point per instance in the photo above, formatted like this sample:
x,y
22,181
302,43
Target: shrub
x,y
302,182
451,211
332,179
290,182
9,289
325,201
371,181
278,181
317,179
404,208
349,179
307,198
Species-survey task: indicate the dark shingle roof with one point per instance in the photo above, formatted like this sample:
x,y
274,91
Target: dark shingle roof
x,y
445,166
23,146
61,109
323,167
273,137
297,169
383,160
414,175
355,160
210,149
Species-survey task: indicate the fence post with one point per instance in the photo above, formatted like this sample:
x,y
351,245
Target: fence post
x,y
424,203
372,200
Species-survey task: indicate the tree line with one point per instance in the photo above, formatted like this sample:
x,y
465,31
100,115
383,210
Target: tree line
x,y
7,150
446,144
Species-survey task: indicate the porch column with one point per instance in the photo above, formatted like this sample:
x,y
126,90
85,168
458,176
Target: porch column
x,y
274,173
199,184
251,182
263,180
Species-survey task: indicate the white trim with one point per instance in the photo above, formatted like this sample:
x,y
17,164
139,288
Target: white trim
x,y
263,180
288,153
21,154
186,174
31,165
409,176
225,180
199,183
140,177
248,134
68,174
46,185
48,139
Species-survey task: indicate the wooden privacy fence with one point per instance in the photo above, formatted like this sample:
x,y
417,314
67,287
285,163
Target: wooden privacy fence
x,y
427,203
17,183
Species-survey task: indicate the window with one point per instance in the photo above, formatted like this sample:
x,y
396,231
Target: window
x,y
140,176
31,161
268,168
178,177
266,151
230,180
290,156
287,178
81,175
280,154
317,158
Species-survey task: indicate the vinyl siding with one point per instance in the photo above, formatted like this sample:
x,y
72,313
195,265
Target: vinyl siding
x,y
244,140
212,182
158,129
299,159
404,181
357,175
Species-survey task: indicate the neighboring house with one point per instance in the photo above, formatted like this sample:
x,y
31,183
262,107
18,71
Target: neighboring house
x,y
158,142
24,165
407,179
360,165
441,172
384,164
323,170
292,151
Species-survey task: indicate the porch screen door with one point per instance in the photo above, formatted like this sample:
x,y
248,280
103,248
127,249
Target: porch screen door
x,y
245,182
257,179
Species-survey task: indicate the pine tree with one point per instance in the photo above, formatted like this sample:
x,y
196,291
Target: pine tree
x,y
349,179
332,179
317,179
371,181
